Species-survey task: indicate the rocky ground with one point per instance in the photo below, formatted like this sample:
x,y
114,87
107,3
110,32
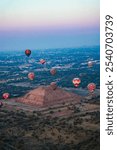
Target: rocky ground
x,y
65,126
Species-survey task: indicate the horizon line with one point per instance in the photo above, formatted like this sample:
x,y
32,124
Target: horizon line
x,y
85,46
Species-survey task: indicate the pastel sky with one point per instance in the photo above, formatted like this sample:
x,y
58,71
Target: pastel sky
x,y
38,24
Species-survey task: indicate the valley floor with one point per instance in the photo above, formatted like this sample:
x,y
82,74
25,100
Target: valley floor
x,y
67,126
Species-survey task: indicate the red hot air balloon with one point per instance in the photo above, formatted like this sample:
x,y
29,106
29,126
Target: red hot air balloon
x,y
42,61
6,95
90,64
53,71
1,104
91,87
31,76
53,85
76,82
28,52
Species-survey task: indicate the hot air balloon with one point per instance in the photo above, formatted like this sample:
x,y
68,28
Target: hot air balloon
x,y
42,61
31,76
28,52
53,71
91,87
1,104
6,95
53,85
76,82
90,64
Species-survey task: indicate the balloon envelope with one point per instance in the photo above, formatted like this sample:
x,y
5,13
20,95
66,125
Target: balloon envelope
x,y
53,71
53,85
31,76
6,95
76,82
1,104
90,64
91,87
28,52
42,61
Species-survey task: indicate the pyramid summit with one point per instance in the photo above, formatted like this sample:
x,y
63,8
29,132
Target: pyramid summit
x,y
45,96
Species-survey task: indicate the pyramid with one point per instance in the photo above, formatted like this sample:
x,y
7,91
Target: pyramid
x,y
45,96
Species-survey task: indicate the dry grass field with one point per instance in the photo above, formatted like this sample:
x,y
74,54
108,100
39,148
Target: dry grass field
x,y
66,126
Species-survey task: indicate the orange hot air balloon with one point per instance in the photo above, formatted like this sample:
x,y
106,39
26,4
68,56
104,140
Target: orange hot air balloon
x,y
91,87
31,76
28,52
53,71
42,61
90,64
53,85
6,95
76,82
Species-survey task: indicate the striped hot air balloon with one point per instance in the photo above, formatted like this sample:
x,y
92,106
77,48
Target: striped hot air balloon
x,y
76,82
31,76
6,95
91,87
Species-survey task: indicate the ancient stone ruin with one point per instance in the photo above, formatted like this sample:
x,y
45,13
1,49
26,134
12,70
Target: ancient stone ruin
x,y
45,96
